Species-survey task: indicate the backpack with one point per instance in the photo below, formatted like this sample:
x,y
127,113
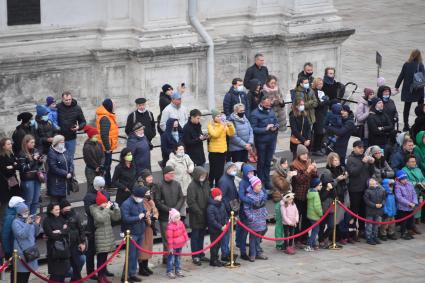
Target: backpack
x,y
418,80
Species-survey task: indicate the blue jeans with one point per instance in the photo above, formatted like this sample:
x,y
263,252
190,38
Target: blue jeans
x,y
225,250
372,229
241,235
197,241
70,146
313,236
265,153
173,261
107,166
31,194
134,255
255,245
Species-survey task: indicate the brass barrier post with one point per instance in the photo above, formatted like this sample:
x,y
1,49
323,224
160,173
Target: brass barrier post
x,y
232,263
334,245
15,266
127,251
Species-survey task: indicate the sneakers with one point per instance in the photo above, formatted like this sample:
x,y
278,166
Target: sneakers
x,y
309,249
171,275
262,257
179,274
244,257
289,250
197,261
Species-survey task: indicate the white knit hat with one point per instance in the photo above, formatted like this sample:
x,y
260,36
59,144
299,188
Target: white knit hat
x,y
14,201
98,182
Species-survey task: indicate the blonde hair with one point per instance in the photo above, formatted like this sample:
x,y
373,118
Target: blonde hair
x,y
331,157
315,82
25,141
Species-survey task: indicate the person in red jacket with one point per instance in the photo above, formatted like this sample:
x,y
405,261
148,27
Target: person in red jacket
x,y
176,239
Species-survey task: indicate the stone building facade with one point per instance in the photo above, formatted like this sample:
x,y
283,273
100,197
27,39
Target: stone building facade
x,y
123,49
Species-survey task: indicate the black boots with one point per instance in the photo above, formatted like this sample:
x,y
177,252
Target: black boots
x,y
144,268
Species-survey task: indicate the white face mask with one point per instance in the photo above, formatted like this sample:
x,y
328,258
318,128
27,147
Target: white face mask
x,y
138,200
60,147
240,88
180,153
141,111
202,179
301,108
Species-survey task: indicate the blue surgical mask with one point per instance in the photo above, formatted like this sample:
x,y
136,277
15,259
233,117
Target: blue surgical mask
x,y
386,97
306,86
45,118
233,173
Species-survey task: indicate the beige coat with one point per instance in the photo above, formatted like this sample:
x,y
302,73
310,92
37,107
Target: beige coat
x,y
147,243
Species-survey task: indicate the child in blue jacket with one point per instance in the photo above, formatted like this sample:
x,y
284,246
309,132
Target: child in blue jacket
x,y
387,231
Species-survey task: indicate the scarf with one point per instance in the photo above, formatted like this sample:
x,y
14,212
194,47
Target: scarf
x,y
301,165
328,80
270,90
281,171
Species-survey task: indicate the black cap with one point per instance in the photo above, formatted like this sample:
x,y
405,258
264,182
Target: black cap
x,y
140,100
358,143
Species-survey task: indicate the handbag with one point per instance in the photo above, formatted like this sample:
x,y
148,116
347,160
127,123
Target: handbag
x,y
41,176
418,80
293,139
61,250
11,181
30,254
75,188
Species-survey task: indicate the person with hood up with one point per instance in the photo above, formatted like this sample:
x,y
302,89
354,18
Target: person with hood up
x,y
25,230
218,130
380,125
45,131
281,184
300,127
362,113
243,141
93,156
7,237
415,176
217,218
272,90
183,167
407,200
106,124
289,218
172,136
138,143
384,93
51,107
419,124
235,95
305,171
380,169
125,176
387,231
197,201
60,170
255,94
193,138
265,126
27,127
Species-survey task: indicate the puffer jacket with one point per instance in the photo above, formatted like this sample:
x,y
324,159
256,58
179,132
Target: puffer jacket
x,y
104,236
60,164
140,149
377,120
389,106
130,211
281,183
44,131
361,114
373,196
218,134
169,195
358,173
314,205
243,135
183,167
89,200
405,195
290,215
390,208
68,116
124,177
217,216
176,235
256,216
228,187
234,97
25,235
259,119
193,144
93,154
76,229
197,199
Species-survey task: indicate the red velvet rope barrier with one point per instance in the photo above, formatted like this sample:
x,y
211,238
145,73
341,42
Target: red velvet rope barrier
x,y
384,222
290,237
184,254
82,279
5,265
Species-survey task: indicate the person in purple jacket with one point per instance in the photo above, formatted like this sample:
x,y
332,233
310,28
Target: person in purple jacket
x,y
406,201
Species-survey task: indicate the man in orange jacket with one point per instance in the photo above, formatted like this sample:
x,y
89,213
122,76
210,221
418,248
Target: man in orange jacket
x,y
108,134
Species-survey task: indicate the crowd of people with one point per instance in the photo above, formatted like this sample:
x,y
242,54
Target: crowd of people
x,y
381,179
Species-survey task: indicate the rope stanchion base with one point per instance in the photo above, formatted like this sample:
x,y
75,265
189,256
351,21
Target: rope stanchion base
x,y
232,264
335,247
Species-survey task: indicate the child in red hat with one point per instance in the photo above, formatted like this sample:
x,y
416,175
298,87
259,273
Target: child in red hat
x,y
217,219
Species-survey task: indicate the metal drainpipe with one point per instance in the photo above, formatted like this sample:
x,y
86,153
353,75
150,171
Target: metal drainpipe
x,y
193,8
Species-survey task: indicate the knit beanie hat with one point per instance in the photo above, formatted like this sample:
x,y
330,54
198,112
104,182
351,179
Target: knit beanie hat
x,y
107,103
401,175
64,203
346,108
139,192
98,182
215,113
100,198
57,139
25,117
90,131
166,87
368,91
336,108
374,149
50,100
173,215
254,181
14,201
167,169
145,173
314,182
301,149
374,101
41,110
21,208
215,192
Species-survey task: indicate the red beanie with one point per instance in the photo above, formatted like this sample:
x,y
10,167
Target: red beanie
x,y
100,198
90,131
215,192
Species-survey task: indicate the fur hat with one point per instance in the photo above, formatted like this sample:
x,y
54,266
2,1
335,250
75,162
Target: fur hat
x,y
57,139
215,192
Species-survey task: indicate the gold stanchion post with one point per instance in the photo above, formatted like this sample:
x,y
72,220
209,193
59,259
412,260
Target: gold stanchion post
x,y
334,245
15,266
232,263
127,251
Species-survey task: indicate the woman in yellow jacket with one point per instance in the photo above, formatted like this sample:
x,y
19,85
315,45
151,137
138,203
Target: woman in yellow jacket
x,y
218,130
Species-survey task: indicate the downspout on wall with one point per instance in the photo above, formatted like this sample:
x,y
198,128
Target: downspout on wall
x,y
193,17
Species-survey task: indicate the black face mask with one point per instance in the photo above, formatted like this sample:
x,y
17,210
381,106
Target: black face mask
x,y
241,114
308,74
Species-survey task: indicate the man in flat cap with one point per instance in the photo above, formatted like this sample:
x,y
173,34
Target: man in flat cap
x,y
143,116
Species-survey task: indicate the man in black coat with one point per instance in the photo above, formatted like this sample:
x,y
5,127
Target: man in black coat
x,y
193,138
143,116
379,124
257,71
70,120
307,73
164,100
331,87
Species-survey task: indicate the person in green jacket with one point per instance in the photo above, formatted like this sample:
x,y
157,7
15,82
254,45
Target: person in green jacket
x,y
314,212
415,176
419,152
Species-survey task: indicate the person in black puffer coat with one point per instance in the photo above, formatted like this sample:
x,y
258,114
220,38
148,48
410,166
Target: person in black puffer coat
x,y
77,239
125,176
193,138
384,92
379,124
164,100
25,128
45,130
